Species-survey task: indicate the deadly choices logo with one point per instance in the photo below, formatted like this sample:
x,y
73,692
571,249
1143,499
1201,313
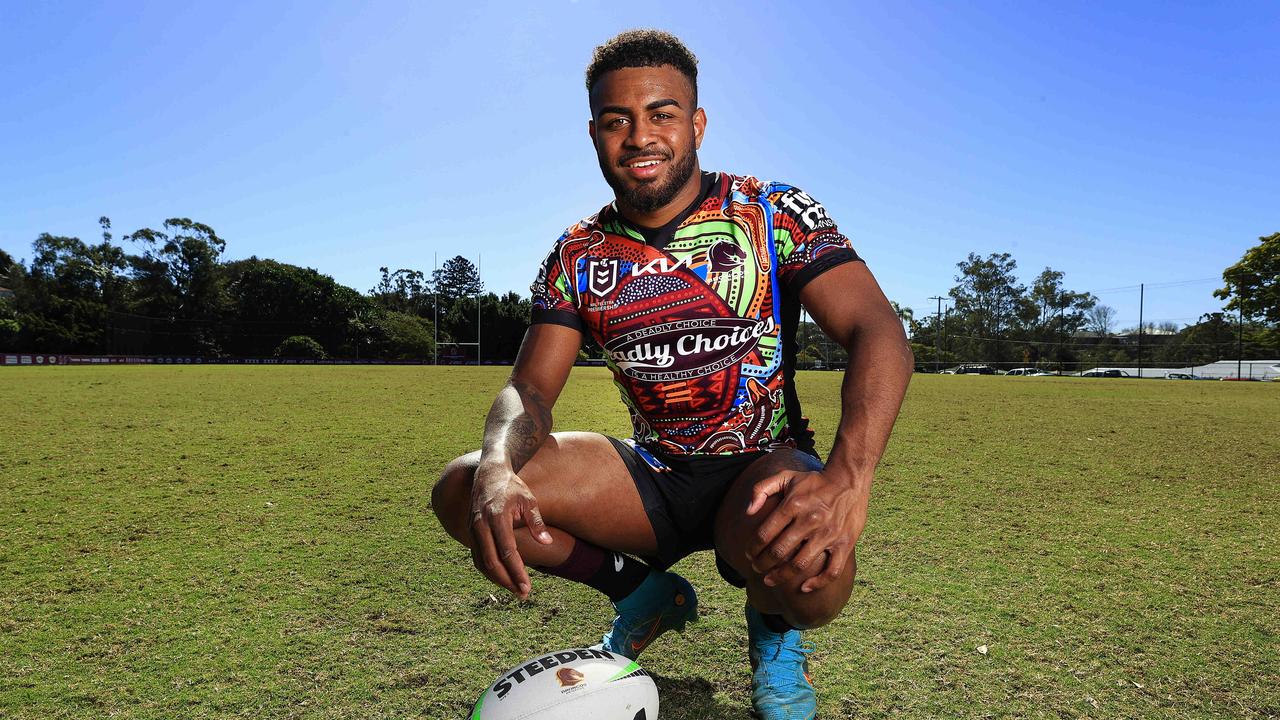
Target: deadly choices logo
x,y
686,349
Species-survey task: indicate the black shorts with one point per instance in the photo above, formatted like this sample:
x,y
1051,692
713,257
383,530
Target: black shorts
x,y
681,496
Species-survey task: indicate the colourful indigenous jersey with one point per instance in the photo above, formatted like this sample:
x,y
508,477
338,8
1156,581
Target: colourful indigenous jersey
x,y
697,320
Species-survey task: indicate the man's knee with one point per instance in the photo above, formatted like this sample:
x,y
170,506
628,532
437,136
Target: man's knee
x,y
807,616
451,495
736,532
817,608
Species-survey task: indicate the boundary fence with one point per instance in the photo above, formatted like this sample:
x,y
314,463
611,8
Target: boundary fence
x,y
1223,369
8,359
1220,370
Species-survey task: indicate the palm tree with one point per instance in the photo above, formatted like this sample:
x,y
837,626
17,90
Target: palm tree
x,y
905,314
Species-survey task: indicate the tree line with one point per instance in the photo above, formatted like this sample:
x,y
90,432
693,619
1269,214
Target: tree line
x,y
168,291
995,318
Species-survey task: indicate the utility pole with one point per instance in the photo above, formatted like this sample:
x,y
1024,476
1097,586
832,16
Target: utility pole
x,y
946,325
435,300
1141,292
937,334
1240,335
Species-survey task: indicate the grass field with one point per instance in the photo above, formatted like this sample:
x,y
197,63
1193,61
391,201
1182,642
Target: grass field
x,y
209,542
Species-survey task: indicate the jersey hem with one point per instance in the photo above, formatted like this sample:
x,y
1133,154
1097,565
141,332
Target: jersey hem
x,y
557,317
828,260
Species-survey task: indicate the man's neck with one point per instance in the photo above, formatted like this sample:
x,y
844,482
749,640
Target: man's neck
x,y
665,214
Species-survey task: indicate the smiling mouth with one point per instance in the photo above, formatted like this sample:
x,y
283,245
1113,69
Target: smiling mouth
x,y
644,169
643,162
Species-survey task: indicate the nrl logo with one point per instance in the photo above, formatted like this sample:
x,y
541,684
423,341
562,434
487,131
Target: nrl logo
x,y
602,275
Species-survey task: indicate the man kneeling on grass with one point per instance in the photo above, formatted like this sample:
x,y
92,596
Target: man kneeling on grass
x,y
692,282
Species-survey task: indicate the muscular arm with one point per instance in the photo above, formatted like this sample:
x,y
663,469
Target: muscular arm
x,y
520,417
518,423
822,514
849,306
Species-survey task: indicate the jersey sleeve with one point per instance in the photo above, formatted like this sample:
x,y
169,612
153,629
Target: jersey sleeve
x,y
553,294
807,239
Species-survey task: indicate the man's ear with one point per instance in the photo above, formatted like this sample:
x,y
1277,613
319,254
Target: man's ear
x,y
591,130
699,127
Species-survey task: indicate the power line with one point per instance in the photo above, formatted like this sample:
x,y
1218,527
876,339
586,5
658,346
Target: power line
x,y
1158,286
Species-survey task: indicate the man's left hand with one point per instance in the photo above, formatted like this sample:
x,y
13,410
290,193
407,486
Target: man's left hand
x,y
819,518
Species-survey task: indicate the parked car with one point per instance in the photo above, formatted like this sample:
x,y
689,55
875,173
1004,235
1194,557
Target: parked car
x,y
1026,372
1182,376
1099,372
971,369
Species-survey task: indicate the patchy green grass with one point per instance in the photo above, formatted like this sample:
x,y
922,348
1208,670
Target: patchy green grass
x,y
209,542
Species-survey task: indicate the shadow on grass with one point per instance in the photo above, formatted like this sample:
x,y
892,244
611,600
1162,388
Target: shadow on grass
x,y
690,698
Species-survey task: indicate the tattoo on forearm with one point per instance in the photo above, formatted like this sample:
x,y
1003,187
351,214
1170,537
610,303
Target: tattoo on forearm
x,y
526,431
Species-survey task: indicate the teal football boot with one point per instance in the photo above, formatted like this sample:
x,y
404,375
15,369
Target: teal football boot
x,y
664,601
780,684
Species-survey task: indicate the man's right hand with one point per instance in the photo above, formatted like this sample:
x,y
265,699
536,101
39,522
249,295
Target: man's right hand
x,y
500,503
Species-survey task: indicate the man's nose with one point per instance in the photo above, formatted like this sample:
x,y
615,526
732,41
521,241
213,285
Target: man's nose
x,y
641,134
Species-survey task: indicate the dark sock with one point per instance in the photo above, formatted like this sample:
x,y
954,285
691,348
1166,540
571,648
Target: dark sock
x,y
612,573
777,623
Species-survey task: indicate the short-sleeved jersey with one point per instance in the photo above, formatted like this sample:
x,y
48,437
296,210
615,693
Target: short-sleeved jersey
x,y
697,320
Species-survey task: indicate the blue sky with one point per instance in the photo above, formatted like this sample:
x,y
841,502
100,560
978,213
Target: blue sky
x,y
1121,143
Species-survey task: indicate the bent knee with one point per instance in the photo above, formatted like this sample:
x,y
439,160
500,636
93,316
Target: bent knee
x,y
817,608
808,613
451,495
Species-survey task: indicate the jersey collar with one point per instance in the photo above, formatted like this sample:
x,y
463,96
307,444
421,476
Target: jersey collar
x,y
660,236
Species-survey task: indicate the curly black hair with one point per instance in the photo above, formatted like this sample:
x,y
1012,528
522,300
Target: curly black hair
x,y
643,48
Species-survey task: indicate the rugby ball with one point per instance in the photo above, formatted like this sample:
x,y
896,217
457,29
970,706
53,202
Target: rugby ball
x,y
573,683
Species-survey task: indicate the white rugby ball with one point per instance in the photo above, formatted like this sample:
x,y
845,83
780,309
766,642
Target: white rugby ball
x,y
573,683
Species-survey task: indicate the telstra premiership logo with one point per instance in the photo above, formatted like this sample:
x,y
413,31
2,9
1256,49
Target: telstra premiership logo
x,y
602,275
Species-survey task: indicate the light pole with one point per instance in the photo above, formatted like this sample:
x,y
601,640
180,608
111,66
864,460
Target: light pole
x,y
1240,334
937,334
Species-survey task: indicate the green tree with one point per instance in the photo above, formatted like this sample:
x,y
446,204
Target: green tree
x,y
1212,338
267,300
905,314
9,325
505,320
300,346
1051,315
65,300
177,279
928,357
404,337
813,346
405,291
1055,310
1253,284
987,301
458,278
7,264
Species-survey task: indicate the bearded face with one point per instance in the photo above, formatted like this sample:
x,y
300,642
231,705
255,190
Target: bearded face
x,y
650,194
646,132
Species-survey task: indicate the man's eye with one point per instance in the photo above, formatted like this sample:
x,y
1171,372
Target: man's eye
x,y
662,116
616,122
